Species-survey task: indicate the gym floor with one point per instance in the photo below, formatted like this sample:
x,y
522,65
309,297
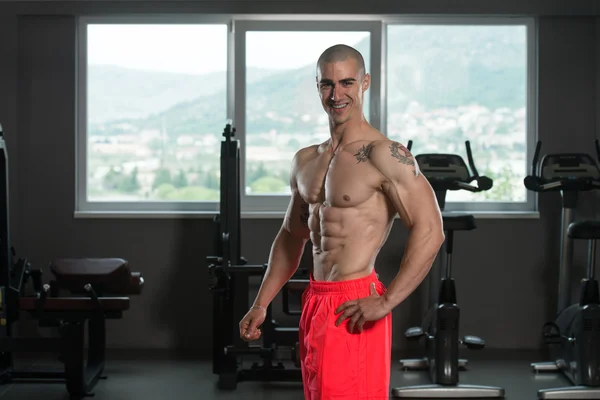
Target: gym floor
x,y
153,377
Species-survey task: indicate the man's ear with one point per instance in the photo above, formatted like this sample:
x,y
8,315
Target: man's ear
x,y
366,82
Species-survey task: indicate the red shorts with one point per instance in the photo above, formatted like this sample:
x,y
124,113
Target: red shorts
x,y
336,364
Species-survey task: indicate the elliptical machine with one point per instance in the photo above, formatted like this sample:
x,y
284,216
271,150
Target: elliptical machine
x,y
574,336
441,323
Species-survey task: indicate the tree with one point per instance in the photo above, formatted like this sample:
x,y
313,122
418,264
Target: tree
x,y
130,183
256,172
504,184
162,176
180,180
112,179
211,181
268,184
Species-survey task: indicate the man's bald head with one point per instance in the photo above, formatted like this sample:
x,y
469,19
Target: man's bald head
x,y
339,53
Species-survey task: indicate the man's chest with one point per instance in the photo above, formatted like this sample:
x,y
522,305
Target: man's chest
x,y
340,181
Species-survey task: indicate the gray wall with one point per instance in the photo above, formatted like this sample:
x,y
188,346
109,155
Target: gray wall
x,y
505,271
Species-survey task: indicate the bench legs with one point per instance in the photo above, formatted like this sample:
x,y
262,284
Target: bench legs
x,y
82,376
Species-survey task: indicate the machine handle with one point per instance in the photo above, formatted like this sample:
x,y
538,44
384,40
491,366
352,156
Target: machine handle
x,y
536,156
470,159
483,183
537,184
466,186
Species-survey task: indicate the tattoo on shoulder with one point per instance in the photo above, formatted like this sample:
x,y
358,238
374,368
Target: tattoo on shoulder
x,y
304,213
403,156
363,154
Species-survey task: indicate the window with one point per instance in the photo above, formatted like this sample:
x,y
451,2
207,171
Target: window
x,y
155,105
155,94
450,82
281,111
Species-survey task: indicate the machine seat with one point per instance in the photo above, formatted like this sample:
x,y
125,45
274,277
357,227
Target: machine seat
x,y
459,222
584,230
106,275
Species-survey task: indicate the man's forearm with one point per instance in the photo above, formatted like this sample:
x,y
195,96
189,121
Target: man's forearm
x,y
284,258
421,249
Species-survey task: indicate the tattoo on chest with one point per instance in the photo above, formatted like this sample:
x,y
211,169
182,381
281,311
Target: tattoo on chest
x,y
364,153
304,213
402,154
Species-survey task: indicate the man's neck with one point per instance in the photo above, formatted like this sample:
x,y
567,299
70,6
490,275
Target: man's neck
x,y
347,132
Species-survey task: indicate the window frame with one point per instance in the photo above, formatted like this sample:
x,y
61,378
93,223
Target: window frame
x,y
265,206
279,203
82,205
530,203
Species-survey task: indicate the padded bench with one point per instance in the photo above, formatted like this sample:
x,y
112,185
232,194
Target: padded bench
x,y
75,304
106,275
99,290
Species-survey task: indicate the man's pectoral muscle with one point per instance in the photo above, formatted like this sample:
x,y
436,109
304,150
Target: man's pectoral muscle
x,y
414,199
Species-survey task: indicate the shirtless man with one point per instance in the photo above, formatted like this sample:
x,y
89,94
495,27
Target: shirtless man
x,y
345,195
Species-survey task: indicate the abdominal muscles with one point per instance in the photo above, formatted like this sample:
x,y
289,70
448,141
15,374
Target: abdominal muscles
x,y
346,241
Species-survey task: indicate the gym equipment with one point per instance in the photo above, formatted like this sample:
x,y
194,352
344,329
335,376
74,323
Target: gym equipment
x,y
574,336
98,289
441,323
230,290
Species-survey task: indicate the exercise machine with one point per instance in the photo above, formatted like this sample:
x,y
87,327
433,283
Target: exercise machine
x,y
230,288
441,323
81,291
574,335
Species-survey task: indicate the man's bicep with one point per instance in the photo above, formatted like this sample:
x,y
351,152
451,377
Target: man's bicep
x,y
296,216
418,202
408,189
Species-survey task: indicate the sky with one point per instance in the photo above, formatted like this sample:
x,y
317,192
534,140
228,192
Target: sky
x,y
200,49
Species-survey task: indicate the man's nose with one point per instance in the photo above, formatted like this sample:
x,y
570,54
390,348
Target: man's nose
x,y
336,94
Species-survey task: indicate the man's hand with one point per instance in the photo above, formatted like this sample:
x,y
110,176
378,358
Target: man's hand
x,y
359,311
249,325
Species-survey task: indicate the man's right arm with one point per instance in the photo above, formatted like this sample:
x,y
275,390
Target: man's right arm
x,y
287,248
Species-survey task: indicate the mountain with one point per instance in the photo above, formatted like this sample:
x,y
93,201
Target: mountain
x,y
117,93
436,66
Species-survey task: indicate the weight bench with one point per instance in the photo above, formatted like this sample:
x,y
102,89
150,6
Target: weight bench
x,y
99,289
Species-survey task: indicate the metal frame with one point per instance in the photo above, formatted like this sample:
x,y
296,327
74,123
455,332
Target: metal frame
x,y
280,203
81,202
530,203
236,96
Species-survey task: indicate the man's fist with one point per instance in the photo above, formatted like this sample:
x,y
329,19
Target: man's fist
x,y
249,325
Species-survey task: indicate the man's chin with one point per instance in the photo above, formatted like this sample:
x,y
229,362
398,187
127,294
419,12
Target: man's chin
x,y
339,119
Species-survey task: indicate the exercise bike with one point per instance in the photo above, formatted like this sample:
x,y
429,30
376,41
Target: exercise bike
x,y
574,336
441,323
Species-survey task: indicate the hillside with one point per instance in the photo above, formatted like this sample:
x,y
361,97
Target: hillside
x,y
487,69
117,93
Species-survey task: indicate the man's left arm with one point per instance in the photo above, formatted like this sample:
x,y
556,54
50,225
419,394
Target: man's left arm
x,y
415,201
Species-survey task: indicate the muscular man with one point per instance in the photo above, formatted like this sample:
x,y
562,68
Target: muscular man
x,y
345,195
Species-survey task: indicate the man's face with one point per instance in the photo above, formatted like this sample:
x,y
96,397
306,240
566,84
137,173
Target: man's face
x,y
341,89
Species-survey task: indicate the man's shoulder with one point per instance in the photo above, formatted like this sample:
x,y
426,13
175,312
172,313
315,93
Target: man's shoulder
x,y
386,147
307,152
386,154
